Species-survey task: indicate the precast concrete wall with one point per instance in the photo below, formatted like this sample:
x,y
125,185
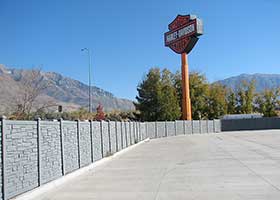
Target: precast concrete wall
x,y
188,127
132,132
112,136
203,126
210,125
170,128
70,146
119,136
124,135
151,128
160,129
96,140
106,149
50,148
21,157
143,135
36,152
85,143
180,129
196,128
217,126
137,136
128,133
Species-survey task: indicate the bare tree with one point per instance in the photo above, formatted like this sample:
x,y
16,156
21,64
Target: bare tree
x,y
32,86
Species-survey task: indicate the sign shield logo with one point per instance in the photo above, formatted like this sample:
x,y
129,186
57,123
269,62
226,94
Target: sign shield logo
x,y
183,33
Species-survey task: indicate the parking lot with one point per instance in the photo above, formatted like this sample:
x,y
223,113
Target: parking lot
x,y
228,165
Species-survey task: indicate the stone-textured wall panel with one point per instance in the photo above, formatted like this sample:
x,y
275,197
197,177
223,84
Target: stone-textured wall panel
x,y
138,131
119,136
105,139
70,145
124,135
142,131
170,128
188,127
128,133
96,139
137,137
51,165
196,126
131,133
85,144
211,126
113,139
132,128
204,126
161,129
135,132
151,129
180,127
217,125
146,130
21,157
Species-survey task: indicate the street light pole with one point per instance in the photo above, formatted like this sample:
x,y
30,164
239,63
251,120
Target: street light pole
x,y
89,78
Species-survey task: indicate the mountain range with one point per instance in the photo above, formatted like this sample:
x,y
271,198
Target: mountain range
x,y
73,94
69,93
262,81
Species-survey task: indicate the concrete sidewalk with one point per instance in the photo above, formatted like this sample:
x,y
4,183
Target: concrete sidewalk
x,y
225,166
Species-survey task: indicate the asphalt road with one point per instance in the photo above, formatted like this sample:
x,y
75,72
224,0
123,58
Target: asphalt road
x,y
224,166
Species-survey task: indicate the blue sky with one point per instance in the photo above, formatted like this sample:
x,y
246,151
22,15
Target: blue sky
x,y
126,38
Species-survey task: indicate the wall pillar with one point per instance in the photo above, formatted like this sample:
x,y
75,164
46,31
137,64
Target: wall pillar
x,y
101,139
3,149
62,146
117,141
78,142
91,141
39,151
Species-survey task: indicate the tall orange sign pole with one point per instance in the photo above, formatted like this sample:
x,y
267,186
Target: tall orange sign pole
x,y
182,36
186,100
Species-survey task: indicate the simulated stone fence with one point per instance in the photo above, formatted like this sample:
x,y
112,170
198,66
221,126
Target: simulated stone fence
x,y
250,124
36,152
173,128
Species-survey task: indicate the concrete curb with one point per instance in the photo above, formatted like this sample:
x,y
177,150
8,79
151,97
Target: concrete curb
x,y
60,181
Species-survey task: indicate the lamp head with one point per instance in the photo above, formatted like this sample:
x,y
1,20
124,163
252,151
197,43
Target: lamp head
x,y
84,49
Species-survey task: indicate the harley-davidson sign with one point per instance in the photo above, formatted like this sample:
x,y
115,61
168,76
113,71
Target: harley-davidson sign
x,y
183,33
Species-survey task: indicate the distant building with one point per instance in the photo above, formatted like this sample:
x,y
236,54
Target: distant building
x,y
243,116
